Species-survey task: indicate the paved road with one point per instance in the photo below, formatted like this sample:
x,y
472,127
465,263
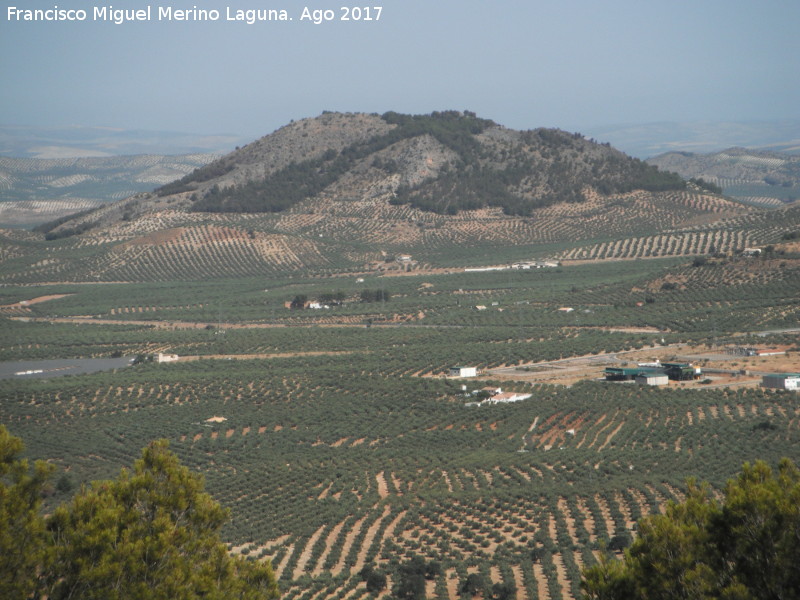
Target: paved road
x,y
576,362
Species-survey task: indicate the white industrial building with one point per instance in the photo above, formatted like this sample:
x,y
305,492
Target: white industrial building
x,y
781,381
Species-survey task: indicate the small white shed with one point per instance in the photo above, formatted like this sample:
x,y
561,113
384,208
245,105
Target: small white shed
x,y
463,371
652,379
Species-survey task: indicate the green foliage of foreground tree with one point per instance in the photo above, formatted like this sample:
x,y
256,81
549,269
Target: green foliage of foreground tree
x,y
23,548
151,534
746,547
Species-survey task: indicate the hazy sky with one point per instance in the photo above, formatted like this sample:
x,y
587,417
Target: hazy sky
x,y
559,63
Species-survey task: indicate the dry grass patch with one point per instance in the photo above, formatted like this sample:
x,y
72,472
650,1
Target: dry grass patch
x,y
519,582
383,489
611,436
361,559
349,539
330,540
305,554
282,565
452,584
606,512
398,485
568,518
561,575
542,589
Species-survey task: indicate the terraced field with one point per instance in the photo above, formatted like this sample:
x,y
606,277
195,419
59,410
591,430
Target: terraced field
x,y
338,237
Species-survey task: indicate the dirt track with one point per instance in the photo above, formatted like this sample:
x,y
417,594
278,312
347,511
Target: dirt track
x,y
266,355
40,299
170,324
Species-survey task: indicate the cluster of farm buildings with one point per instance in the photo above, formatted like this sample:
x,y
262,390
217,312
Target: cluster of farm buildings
x,y
519,266
654,374
782,381
487,395
496,395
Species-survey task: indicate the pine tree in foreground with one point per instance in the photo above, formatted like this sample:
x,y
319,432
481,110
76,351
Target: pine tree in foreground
x,y
745,547
152,533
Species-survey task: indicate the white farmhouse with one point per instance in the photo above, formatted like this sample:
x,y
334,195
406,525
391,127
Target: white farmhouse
x,y
507,397
165,358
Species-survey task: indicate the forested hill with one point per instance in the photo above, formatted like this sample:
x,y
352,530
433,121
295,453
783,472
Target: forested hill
x,y
444,162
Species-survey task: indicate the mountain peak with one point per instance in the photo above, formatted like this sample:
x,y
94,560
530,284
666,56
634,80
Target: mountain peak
x,y
443,162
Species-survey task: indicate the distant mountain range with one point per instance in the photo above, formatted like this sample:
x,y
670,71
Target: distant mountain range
x,y
643,140
755,177
81,141
33,191
47,173
45,180
356,193
647,140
